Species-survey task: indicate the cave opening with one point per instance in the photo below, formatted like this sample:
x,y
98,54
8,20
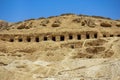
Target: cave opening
x,y
20,40
53,38
62,38
79,37
87,36
37,39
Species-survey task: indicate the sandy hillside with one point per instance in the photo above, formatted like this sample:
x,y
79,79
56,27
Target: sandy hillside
x,y
65,47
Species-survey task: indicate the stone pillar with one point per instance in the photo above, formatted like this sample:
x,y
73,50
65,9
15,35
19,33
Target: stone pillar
x,y
24,39
83,36
6,37
16,38
93,35
41,38
33,38
66,37
74,36
57,38
100,35
49,37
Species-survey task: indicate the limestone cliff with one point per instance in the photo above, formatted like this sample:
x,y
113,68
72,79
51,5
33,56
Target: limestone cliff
x,y
65,47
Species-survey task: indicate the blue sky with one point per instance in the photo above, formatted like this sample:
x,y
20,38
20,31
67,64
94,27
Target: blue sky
x,y
18,10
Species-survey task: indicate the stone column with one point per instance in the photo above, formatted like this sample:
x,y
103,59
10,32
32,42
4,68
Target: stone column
x,y
33,39
49,37
83,36
41,38
66,37
74,36
58,38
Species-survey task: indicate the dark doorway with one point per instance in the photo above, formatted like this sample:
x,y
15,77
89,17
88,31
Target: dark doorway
x,y
45,38
79,37
20,40
28,39
72,46
70,37
37,39
104,35
11,40
111,35
87,36
118,35
62,38
95,35
53,38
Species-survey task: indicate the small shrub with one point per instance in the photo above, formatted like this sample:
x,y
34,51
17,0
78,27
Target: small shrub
x,y
18,22
67,14
77,20
84,15
42,18
52,16
29,19
100,17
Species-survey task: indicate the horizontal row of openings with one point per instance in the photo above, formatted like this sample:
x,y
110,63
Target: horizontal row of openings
x,y
62,38
111,35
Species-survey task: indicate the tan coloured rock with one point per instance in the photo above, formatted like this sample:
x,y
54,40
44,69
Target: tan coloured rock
x,y
3,25
77,48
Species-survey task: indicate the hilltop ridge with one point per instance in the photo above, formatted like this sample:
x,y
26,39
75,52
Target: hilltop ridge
x,y
64,21
53,19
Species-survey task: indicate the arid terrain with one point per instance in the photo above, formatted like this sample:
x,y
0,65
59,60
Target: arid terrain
x,y
65,47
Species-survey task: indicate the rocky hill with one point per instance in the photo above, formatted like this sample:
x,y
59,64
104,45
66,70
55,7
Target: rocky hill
x,y
65,47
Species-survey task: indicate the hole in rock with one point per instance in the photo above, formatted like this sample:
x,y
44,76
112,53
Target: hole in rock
x,y
20,40
95,35
28,39
53,38
45,38
37,39
78,37
62,38
11,40
70,37
87,36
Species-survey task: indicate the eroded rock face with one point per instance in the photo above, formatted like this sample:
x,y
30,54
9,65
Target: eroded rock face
x,y
3,24
105,24
68,47
101,69
38,61
56,23
44,22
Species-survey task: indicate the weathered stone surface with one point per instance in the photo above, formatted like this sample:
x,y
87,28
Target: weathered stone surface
x,y
87,69
3,25
78,49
